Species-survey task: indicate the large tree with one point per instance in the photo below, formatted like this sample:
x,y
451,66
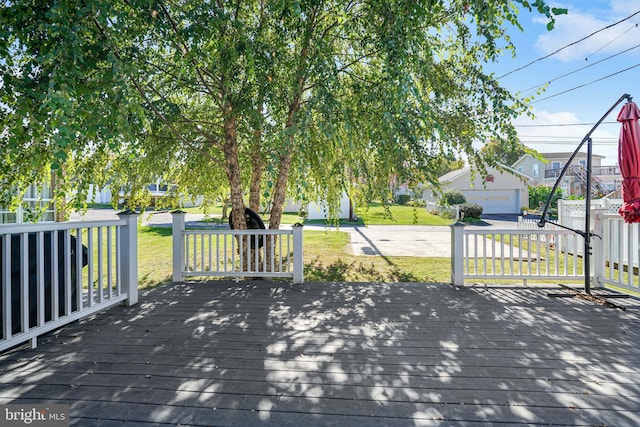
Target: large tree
x,y
505,152
250,98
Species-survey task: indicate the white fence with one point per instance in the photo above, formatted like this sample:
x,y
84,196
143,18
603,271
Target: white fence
x,y
55,273
552,253
512,255
620,259
236,253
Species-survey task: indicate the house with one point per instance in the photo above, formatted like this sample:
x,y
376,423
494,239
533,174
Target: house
x,y
37,206
545,171
157,191
498,192
318,210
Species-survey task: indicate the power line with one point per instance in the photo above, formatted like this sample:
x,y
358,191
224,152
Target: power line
x,y
610,42
585,84
565,137
582,68
542,141
561,125
569,45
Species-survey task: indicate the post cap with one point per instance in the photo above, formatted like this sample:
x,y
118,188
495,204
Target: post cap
x,y
126,212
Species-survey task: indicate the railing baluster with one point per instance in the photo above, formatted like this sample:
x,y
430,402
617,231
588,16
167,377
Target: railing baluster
x,y
210,254
24,281
79,300
241,254
55,283
225,251
68,285
502,242
90,295
475,249
100,266
202,253
40,279
109,262
6,286
195,253
186,253
233,252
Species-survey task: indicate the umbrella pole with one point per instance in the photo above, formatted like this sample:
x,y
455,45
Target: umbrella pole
x,y
587,229
587,222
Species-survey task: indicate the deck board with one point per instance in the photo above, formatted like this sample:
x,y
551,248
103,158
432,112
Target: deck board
x,y
269,353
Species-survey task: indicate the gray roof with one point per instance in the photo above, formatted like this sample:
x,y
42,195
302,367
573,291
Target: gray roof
x,y
453,175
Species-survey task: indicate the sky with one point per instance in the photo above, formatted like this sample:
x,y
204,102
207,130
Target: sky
x,y
597,64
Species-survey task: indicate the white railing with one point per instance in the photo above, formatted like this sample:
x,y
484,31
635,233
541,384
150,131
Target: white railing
x,y
621,251
55,273
531,223
512,255
236,253
551,253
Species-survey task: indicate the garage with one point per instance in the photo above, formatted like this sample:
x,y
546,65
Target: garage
x,y
495,201
503,191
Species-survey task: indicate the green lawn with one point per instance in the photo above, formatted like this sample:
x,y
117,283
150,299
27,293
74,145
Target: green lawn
x,y
376,214
326,259
373,214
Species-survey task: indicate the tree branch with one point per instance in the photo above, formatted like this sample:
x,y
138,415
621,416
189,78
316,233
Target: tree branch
x,y
185,49
144,96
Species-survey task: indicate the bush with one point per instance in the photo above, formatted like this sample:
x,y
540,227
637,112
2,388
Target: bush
x,y
539,194
452,197
403,199
471,210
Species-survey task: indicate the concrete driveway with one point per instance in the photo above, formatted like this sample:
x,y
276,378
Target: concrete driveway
x,y
400,240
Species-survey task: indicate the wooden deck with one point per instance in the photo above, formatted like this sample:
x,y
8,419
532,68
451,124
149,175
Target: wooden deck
x,y
267,353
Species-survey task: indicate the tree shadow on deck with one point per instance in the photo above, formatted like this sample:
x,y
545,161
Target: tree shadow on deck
x,y
270,353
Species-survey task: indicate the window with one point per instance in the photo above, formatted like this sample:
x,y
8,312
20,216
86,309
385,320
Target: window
x,y
520,169
37,203
536,170
556,165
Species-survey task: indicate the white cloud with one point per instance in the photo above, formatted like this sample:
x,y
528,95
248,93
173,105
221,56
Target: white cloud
x,y
624,7
579,23
563,131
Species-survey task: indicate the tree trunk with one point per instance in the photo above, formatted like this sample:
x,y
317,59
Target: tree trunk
x,y
232,166
257,167
225,208
280,191
61,213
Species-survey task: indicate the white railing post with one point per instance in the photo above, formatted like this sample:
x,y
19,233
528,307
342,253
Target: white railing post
x,y
457,253
129,256
177,233
5,283
597,242
298,260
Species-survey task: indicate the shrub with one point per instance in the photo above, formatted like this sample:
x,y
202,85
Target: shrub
x,y
403,199
539,194
452,197
471,210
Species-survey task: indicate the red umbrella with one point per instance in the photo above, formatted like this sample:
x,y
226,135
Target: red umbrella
x,y
629,161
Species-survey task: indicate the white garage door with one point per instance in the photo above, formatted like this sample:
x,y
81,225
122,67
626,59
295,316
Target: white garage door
x,y
495,201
